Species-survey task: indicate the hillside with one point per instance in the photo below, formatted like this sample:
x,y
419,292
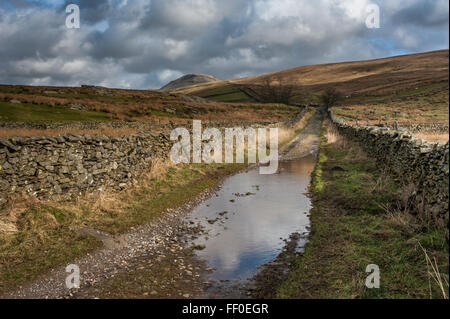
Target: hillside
x,y
359,81
20,103
188,80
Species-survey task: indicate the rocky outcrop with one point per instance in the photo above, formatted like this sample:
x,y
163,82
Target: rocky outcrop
x,y
423,163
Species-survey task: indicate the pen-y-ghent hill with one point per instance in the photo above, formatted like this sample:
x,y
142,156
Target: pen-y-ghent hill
x,y
85,176
187,80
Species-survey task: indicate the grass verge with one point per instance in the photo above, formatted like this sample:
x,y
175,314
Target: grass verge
x,y
353,227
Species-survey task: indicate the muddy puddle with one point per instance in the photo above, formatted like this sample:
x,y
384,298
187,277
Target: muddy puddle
x,y
248,219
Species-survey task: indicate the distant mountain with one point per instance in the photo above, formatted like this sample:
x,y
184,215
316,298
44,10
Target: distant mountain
x,y
188,80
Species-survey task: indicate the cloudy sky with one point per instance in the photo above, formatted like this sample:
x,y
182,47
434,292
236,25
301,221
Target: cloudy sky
x,y
146,43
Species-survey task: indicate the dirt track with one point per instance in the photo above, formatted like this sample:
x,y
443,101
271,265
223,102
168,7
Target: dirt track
x,y
306,143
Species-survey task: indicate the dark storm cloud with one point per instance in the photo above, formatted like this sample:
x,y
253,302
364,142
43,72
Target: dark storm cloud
x,y
429,13
142,43
93,10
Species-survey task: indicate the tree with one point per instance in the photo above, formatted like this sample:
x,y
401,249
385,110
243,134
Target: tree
x,y
274,89
330,97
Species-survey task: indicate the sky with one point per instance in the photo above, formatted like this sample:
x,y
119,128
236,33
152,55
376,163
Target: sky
x,y
143,44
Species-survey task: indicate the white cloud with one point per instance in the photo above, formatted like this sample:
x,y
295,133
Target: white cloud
x,y
175,49
168,75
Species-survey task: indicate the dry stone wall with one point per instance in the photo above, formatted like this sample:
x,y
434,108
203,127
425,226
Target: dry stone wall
x,y
82,125
423,128
118,125
69,165
425,164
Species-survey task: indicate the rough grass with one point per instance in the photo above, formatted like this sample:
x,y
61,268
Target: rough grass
x,y
351,229
430,109
132,105
43,241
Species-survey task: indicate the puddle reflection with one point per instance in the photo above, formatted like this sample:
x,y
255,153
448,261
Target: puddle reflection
x,y
255,213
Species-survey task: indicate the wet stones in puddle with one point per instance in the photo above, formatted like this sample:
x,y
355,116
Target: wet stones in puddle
x,y
213,221
244,194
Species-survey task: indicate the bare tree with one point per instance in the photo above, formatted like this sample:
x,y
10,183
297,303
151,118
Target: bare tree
x,y
275,90
330,97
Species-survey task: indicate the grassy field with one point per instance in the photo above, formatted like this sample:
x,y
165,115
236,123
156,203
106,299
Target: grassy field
x,y
102,104
354,224
429,109
425,108
25,112
224,93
